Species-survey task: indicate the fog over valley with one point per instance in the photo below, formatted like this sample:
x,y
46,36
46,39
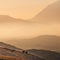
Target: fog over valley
x,y
27,33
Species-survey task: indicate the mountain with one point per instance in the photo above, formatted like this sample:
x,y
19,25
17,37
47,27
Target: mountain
x,y
51,14
9,19
47,55
7,53
48,42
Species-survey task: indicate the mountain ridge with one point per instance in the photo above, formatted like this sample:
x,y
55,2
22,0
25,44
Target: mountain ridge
x,y
9,19
49,42
50,14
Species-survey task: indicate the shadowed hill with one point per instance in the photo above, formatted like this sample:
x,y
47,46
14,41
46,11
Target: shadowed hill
x,y
9,46
7,53
47,55
32,54
51,14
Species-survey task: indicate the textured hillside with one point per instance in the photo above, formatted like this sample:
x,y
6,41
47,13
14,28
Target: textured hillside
x,y
14,54
32,54
8,46
47,55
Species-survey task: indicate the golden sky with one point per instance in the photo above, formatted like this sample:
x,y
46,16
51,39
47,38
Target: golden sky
x,y
24,9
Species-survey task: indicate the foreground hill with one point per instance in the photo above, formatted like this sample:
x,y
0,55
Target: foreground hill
x,y
14,54
9,46
47,55
32,54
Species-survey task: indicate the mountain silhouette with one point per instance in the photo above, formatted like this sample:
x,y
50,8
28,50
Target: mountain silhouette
x,y
51,14
9,19
49,42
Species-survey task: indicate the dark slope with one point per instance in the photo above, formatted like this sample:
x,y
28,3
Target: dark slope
x,y
4,45
10,53
47,55
32,54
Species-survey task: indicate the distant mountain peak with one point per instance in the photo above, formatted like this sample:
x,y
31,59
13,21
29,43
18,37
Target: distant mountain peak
x,y
50,14
4,16
7,18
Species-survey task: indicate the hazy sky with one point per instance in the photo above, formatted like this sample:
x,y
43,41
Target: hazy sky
x,y
24,9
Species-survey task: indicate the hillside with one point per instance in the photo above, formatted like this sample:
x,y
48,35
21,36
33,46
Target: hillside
x,y
32,54
9,46
11,54
47,55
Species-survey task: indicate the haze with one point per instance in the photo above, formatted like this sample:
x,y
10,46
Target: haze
x,y
24,9
21,21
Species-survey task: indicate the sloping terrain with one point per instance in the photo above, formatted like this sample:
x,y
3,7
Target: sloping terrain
x,y
47,55
32,54
9,46
11,54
